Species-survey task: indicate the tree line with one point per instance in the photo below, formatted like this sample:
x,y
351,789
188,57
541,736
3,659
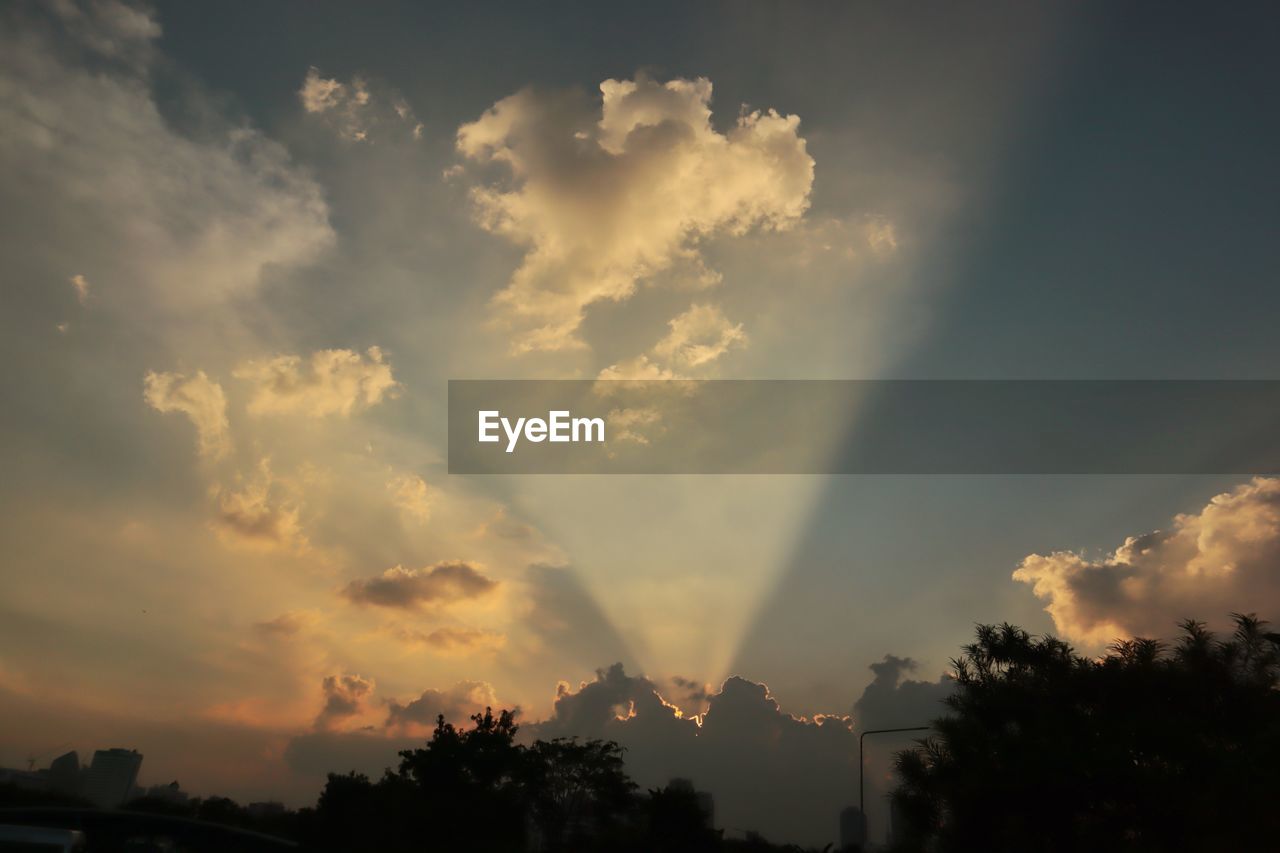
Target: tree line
x,y
1152,747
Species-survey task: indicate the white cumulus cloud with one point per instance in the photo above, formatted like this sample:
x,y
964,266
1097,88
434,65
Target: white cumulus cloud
x,y
1225,558
352,111
699,336
200,399
259,513
604,195
412,496
81,286
329,382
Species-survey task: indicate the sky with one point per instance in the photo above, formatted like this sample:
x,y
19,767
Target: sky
x,y
244,250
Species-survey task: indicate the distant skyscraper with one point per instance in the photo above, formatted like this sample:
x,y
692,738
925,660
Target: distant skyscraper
x,y
706,802
110,779
853,828
64,773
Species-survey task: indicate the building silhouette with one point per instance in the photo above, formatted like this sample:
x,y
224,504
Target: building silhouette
x,y
853,829
64,774
111,777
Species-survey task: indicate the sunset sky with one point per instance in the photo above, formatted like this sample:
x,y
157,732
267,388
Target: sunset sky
x,y
245,248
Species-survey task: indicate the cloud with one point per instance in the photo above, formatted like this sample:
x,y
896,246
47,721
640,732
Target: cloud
x,y
344,103
882,236
455,640
412,496
695,339
611,697
258,514
109,28
1225,558
371,748
286,625
352,110
639,368
456,704
893,701
637,426
699,336
178,220
687,693
331,381
442,583
320,94
838,240
200,399
785,776
501,525
343,697
604,195
81,286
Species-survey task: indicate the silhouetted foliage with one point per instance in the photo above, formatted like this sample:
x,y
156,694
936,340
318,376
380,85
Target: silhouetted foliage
x,y
754,842
1153,747
678,823
17,796
576,791
1150,748
478,790
460,792
284,823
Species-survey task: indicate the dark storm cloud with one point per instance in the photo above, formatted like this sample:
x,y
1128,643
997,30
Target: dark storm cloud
x,y
369,749
893,701
455,704
442,583
343,697
785,776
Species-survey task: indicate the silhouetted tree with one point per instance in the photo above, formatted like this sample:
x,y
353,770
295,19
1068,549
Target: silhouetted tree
x,y
476,789
1146,749
356,814
464,787
221,810
576,791
460,793
678,823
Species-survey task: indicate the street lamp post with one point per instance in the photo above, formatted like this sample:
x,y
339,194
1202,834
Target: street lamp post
x,y
862,806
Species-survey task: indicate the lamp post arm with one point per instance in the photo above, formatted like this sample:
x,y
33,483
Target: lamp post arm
x,y
862,806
